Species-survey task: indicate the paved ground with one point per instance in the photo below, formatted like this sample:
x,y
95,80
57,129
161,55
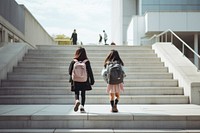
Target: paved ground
x,y
34,110
98,118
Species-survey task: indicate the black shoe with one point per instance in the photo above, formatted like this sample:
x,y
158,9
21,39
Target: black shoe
x,y
114,109
82,110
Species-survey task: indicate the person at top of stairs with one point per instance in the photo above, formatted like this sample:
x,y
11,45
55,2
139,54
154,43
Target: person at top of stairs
x,y
77,86
74,37
114,88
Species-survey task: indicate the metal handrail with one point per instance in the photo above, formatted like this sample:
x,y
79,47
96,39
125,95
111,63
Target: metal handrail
x,y
183,43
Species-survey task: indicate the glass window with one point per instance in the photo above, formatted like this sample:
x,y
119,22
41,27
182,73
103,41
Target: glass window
x,y
172,8
150,2
170,5
193,1
173,1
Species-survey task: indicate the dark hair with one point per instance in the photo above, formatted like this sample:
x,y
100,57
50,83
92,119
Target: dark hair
x,y
112,43
113,56
80,54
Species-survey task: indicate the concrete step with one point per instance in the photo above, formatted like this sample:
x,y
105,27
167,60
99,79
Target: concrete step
x,y
95,91
96,63
66,65
93,65
128,62
96,73
99,130
93,59
130,117
35,76
102,55
62,69
71,52
92,47
90,58
93,99
98,83
45,63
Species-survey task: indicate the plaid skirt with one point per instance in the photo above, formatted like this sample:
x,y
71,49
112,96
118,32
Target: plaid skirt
x,y
115,88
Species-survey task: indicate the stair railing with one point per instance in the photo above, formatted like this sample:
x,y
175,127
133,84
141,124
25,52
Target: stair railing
x,y
160,38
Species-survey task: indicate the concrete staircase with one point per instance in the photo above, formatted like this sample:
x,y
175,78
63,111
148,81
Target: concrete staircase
x,y
36,96
42,77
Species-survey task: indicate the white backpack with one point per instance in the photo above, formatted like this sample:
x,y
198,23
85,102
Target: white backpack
x,y
79,72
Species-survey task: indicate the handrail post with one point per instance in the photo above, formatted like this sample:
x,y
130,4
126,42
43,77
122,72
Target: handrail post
x,y
166,37
157,39
171,38
183,49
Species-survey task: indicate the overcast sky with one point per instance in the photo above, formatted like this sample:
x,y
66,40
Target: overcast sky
x,y
88,17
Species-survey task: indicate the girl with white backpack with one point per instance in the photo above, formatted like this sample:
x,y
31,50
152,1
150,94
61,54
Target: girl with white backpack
x,y
81,77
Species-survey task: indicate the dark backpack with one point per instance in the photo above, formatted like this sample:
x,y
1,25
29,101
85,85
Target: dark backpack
x,y
115,74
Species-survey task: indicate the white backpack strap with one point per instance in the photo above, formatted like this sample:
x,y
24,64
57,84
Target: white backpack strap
x,y
85,60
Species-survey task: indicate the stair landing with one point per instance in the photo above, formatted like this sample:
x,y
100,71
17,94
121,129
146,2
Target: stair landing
x,y
186,116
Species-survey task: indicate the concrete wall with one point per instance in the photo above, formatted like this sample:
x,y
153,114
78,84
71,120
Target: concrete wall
x,y
10,54
129,9
136,30
13,13
35,34
8,30
122,13
182,69
176,21
17,23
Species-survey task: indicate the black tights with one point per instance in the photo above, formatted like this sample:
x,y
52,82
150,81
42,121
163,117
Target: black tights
x,y
82,97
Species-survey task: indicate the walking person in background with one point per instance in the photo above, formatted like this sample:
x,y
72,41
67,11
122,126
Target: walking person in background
x,y
114,87
100,38
80,83
105,37
74,37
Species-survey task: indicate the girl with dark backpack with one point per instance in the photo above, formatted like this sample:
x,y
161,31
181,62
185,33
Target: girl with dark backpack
x,y
113,89
80,84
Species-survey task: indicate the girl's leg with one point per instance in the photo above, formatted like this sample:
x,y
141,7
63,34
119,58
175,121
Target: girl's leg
x,y
117,98
77,103
112,96
76,95
83,97
82,101
116,102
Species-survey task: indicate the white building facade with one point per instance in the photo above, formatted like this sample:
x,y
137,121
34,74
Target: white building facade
x,y
137,19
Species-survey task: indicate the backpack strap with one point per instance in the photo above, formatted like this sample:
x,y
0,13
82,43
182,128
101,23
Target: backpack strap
x,y
75,60
82,61
85,60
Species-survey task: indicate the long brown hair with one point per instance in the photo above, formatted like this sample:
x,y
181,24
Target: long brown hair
x,y
113,56
80,54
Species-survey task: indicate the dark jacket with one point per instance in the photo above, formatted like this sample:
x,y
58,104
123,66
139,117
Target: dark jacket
x,y
74,36
82,85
